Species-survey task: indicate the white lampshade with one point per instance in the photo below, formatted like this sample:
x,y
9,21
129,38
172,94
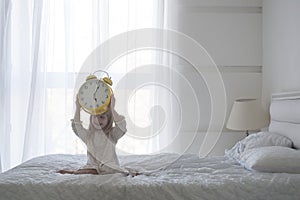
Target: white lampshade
x,y
246,114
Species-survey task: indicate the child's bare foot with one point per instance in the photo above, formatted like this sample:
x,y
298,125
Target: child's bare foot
x,y
133,174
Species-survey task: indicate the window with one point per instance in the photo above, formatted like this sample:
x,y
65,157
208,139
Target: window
x,y
47,56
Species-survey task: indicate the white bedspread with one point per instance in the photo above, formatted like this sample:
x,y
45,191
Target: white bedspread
x,y
189,177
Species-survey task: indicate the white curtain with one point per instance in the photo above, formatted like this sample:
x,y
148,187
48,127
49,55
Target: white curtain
x,y
5,71
43,45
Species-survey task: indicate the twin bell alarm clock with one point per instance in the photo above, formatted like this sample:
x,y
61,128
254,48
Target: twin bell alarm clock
x,y
94,94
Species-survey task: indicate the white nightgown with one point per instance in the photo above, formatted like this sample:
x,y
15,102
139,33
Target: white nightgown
x,y
101,149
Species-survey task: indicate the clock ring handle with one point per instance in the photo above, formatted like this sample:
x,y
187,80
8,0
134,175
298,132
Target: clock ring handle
x,y
105,79
100,70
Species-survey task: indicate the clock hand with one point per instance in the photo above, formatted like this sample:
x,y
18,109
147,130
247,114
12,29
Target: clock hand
x,y
94,94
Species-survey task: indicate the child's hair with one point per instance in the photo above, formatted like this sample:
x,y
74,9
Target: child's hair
x,y
109,124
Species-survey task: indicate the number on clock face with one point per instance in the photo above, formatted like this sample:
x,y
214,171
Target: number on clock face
x,y
93,94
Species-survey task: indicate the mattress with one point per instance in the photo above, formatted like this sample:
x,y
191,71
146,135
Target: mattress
x,y
165,176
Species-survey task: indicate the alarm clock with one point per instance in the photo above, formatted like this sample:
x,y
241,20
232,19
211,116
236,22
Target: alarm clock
x,y
94,94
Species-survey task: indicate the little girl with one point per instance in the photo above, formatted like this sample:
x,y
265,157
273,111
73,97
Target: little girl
x,y
100,138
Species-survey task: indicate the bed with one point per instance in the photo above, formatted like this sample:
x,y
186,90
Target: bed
x,y
264,165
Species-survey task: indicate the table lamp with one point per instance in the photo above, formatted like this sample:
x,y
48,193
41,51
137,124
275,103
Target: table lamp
x,y
246,115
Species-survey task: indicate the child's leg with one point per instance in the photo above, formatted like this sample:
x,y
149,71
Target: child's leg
x,y
85,171
66,171
79,171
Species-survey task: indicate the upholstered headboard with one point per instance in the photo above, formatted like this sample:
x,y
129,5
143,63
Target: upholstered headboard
x,y
285,116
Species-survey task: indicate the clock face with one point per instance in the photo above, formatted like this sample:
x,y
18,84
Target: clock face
x,y
94,96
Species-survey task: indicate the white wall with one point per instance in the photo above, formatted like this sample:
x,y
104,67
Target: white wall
x,y
231,32
281,47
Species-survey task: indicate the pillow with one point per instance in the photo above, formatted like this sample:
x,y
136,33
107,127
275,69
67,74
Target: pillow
x,y
259,139
272,159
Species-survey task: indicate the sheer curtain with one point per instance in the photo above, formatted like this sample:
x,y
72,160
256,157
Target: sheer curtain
x,y
43,45
5,71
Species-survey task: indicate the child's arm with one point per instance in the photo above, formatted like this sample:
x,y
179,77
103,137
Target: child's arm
x,y
116,115
120,129
77,127
77,111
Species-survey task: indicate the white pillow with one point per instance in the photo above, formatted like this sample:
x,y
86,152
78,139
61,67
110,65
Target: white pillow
x,y
272,159
260,139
